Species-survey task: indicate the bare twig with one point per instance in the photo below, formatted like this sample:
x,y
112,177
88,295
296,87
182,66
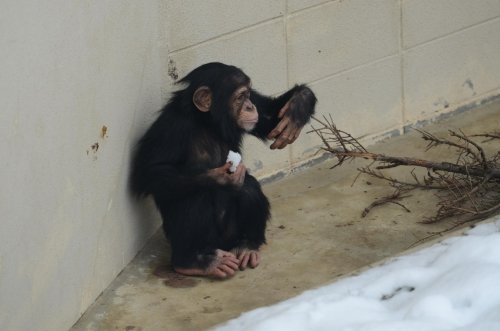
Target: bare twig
x,y
394,198
490,136
470,186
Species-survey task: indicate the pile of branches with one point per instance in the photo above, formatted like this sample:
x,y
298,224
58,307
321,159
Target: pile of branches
x,y
468,187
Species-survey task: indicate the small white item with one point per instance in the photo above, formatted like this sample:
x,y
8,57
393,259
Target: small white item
x,y
235,159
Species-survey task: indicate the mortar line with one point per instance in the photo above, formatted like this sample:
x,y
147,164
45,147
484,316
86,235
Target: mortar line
x,y
313,7
453,33
350,69
404,115
227,34
287,67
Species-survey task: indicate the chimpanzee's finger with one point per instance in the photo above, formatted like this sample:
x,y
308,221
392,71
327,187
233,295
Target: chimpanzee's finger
x,y
244,261
231,264
285,138
295,135
218,273
279,143
225,168
254,259
228,271
279,128
238,176
284,110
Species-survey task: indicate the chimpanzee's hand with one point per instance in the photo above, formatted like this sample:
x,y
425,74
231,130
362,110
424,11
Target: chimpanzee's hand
x,y
286,132
224,177
238,177
294,115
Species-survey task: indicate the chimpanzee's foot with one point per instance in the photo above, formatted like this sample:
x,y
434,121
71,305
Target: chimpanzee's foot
x,y
247,257
224,265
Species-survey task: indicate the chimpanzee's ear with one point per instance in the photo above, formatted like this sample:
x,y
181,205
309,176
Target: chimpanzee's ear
x,y
202,98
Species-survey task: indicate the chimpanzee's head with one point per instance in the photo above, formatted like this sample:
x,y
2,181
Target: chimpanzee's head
x,y
224,92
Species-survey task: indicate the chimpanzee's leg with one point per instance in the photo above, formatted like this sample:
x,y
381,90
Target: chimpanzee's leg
x,y
196,241
252,215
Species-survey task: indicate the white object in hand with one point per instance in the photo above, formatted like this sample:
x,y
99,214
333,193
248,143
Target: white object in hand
x,y
235,159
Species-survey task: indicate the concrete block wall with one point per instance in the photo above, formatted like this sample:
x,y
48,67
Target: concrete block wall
x,y
80,81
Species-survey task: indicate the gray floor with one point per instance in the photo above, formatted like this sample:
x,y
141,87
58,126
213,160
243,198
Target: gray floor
x,y
316,236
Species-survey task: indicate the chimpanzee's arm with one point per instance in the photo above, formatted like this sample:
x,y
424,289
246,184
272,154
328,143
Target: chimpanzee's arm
x,y
301,102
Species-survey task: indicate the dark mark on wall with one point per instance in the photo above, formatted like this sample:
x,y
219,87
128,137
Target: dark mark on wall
x,y
172,70
104,132
468,83
95,146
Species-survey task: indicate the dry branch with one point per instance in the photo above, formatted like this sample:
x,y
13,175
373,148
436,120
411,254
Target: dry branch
x,y
469,187
394,198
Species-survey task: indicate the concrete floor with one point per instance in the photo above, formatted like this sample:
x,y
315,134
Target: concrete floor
x,y
316,236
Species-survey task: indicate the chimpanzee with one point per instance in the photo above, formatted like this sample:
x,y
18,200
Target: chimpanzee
x,y
215,220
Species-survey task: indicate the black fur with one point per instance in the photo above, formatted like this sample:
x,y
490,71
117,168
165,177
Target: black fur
x,y
172,158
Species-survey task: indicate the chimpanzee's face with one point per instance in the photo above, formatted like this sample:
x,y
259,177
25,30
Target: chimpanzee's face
x,y
243,109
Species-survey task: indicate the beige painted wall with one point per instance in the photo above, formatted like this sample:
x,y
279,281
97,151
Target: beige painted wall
x,y
68,69
67,225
